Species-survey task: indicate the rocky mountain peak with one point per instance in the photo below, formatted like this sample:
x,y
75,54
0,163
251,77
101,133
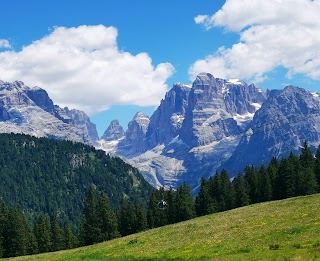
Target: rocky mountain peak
x,y
113,132
287,119
167,120
31,111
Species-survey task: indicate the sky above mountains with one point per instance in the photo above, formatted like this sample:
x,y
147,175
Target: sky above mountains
x,y
114,58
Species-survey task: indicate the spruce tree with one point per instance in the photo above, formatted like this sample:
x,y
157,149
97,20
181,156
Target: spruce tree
x,y
226,191
43,234
3,223
15,239
69,238
91,232
141,217
127,218
108,223
251,175
307,180
171,206
56,233
241,188
204,201
185,203
265,185
317,167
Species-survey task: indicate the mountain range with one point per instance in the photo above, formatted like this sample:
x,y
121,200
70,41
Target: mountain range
x,y
196,130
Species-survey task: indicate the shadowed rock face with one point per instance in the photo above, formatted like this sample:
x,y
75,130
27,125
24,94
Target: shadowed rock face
x,y
31,111
287,119
135,138
166,121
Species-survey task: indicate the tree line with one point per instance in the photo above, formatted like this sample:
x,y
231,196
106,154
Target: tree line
x,y
287,177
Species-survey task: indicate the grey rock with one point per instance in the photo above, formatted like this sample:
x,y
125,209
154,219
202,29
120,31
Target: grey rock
x,y
287,119
113,132
31,111
167,120
135,138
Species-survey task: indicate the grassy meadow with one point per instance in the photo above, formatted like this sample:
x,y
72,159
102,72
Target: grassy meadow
x,y
278,230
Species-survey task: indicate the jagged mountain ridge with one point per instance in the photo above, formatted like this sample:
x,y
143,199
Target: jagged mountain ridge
x,y
30,111
287,119
194,130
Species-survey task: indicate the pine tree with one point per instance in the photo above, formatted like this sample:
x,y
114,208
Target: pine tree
x,y
141,218
3,223
185,203
90,231
317,167
42,233
204,202
307,179
251,175
286,182
127,218
226,191
241,188
69,238
214,190
171,206
15,241
56,233
265,185
108,223
155,216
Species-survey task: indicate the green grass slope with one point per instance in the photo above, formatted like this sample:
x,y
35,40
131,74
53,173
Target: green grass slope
x,y
278,230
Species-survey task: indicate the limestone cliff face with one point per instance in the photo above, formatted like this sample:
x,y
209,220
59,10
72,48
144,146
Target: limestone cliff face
x,y
193,131
215,107
113,132
31,111
167,120
135,138
287,119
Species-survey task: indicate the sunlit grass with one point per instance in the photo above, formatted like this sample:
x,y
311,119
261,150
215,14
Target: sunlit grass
x,y
279,230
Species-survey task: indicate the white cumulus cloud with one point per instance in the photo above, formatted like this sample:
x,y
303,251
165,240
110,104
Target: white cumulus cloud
x,y
83,68
272,33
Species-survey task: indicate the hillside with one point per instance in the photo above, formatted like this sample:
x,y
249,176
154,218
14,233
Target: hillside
x,y
45,175
279,230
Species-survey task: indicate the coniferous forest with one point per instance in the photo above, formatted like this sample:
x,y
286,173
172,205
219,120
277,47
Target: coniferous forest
x,y
28,227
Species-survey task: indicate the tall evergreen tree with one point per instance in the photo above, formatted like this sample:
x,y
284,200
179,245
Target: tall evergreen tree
x,y
265,185
241,188
15,239
127,218
171,206
91,232
204,203
3,223
42,233
307,180
185,203
226,191
108,223
317,167
56,233
69,238
141,217
251,175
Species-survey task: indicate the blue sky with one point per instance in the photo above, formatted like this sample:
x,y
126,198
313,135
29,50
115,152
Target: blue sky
x,y
114,58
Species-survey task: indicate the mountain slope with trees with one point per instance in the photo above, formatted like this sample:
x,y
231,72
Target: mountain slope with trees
x,y
45,175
